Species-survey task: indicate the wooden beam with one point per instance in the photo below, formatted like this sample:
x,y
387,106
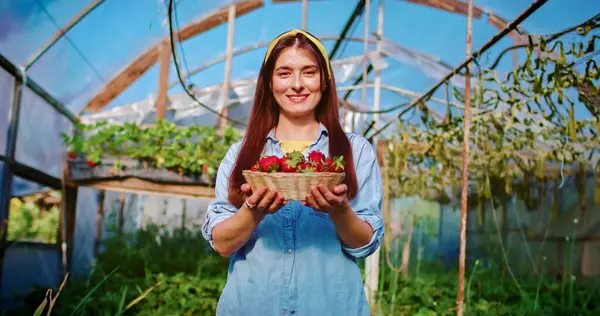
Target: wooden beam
x,y
227,75
453,6
138,186
148,58
163,79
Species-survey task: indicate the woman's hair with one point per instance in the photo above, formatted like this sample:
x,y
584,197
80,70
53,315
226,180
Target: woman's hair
x,y
265,114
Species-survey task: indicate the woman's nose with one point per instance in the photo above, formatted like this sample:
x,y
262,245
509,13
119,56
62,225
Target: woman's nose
x,y
297,85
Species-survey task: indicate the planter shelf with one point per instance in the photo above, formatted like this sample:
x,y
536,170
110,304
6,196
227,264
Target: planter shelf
x,y
136,176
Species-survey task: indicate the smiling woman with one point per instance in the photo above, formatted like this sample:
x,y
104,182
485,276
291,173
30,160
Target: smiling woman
x,y
296,257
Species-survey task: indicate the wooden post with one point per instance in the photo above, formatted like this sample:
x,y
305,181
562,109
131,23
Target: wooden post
x,y
99,221
121,212
67,223
465,170
227,78
365,62
163,79
304,14
372,262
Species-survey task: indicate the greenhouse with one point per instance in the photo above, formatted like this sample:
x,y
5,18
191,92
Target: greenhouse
x,y
484,116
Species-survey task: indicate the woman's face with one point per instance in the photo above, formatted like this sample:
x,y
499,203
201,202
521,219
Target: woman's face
x,y
296,82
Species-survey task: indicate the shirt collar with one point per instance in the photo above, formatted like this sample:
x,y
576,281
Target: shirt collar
x,y
322,131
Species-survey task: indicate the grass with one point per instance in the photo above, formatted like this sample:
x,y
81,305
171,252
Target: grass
x,y
155,273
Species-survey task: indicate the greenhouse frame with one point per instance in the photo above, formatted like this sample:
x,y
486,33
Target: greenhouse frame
x,y
485,116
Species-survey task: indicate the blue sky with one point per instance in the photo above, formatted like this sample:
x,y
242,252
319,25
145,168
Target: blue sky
x,y
118,31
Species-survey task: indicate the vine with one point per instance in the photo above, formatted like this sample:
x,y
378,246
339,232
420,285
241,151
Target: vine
x,y
528,132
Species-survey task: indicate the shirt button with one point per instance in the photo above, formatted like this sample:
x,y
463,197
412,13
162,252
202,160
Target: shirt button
x,y
290,251
293,312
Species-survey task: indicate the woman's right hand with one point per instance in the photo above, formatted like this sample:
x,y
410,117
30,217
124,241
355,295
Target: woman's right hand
x,y
262,200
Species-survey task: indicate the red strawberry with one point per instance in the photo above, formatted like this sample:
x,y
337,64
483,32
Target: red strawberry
x,y
256,167
91,163
305,167
289,164
72,155
269,164
316,156
337,165
327,164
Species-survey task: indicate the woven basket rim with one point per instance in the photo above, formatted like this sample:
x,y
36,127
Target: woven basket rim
x,y
287,174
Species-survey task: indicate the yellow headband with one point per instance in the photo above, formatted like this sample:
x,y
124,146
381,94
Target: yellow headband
x,y
310,37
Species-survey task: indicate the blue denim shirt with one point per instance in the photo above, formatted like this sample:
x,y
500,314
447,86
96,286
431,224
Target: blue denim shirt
x,y
294,263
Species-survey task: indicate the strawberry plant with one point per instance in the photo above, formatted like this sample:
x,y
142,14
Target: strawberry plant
x,y
192,150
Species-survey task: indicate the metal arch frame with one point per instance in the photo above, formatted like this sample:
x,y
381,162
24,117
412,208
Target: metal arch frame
x,y
250,48
148,58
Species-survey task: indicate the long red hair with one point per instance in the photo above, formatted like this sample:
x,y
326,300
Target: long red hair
x,y
265,115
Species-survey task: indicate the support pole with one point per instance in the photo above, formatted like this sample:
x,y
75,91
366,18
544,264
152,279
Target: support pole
x,y
465,170
224,100
365,63
372,262
163,79
304,14
9,165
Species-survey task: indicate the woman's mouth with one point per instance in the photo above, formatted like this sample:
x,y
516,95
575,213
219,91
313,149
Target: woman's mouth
x,y
297,98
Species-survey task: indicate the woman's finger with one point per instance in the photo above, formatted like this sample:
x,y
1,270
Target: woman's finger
x,y
246,189
266,201
328,195
340,189
320,199
257,196
310,201
276,205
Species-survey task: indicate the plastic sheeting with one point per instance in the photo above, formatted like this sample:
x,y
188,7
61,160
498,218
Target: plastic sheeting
x,y
139,211
27,267
39,144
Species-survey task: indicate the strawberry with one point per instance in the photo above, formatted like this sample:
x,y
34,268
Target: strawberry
x,y
337,165
305,167
72,155
327,164
256,167
269,164
316,156
289,164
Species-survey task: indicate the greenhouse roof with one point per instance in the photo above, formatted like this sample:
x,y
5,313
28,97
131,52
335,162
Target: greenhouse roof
x,y
78,51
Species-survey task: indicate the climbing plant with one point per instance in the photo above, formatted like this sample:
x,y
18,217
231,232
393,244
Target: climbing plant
x,y
524,130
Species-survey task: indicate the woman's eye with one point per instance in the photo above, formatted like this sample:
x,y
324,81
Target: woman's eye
x,y
310,72
284,73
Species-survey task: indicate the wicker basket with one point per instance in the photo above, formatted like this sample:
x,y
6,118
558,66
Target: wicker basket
x,y
293,186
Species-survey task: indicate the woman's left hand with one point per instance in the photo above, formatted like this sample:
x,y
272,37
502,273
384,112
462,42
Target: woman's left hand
x,y
324,200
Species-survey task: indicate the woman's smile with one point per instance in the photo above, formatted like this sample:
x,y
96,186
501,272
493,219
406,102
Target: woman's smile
x,y
298,98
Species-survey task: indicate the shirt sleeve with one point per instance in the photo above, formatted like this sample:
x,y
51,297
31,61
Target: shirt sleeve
x,y
368,200
220,209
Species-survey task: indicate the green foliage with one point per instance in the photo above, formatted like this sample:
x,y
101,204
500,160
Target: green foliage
x,y
524,128
28,222
190,150
152,271
487,293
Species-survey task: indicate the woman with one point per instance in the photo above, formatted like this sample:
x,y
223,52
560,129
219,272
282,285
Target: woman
x,y
296,257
